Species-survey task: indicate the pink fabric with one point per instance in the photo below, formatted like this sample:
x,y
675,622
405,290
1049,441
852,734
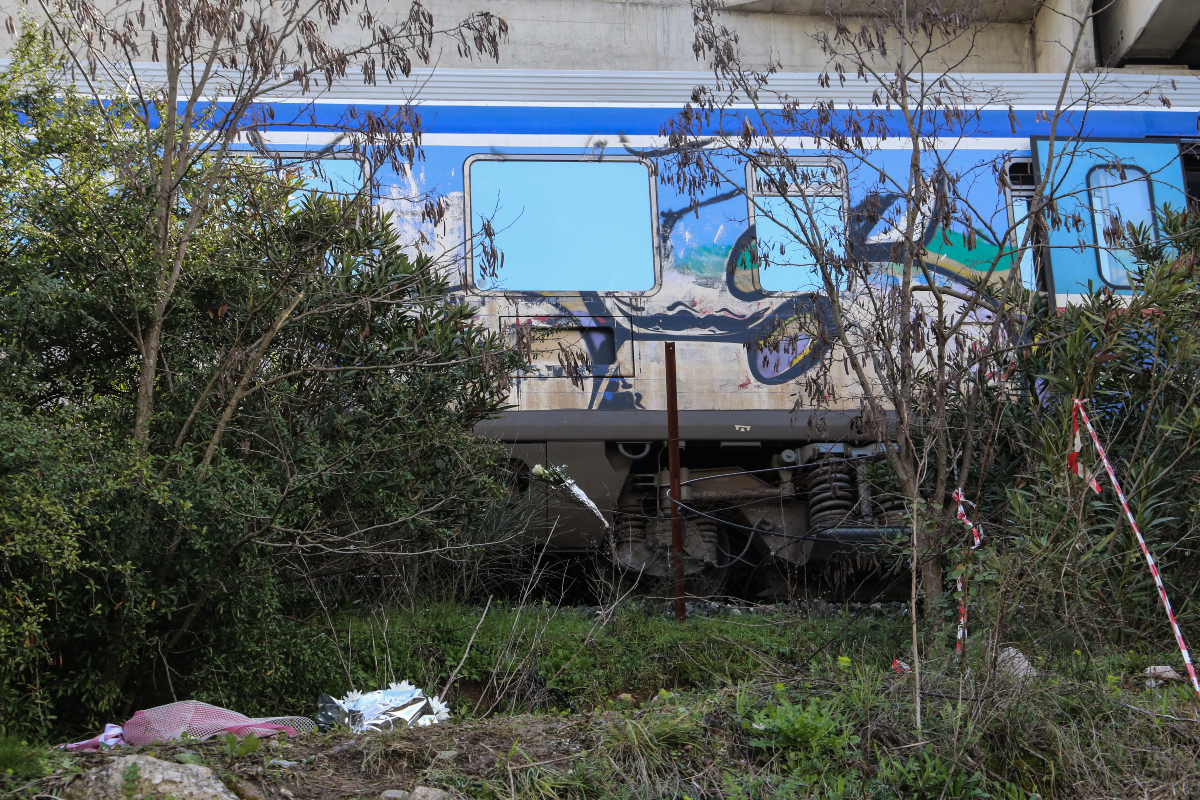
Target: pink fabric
x,y
113,736
199,721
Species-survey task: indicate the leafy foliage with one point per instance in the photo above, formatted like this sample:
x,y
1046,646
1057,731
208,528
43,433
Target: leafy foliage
x,y
812,727
235,748
311,415
1062,555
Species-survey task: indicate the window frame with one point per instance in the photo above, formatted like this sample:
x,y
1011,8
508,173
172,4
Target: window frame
x,y
1097,235
752,191
311,155
1041,276
469,233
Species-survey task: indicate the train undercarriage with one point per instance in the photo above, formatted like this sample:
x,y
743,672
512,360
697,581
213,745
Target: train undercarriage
x,y
760,516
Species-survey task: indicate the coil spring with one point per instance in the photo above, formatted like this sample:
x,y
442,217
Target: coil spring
x,y
832,494
631,524
708,530
890,510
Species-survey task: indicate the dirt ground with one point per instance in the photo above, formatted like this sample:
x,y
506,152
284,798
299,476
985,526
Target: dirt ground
x,y
344,765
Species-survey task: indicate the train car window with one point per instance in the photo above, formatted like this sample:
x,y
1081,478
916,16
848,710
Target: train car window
x,y
545,224
1020,189
785,250
1020,175
799,213
1120,196
340,177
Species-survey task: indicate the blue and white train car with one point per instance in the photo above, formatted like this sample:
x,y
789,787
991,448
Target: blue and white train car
x,y
609,259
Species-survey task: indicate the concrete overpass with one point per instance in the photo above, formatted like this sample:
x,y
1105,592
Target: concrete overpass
x,y
1158,32
1020,36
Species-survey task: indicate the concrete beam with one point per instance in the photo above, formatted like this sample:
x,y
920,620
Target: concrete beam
x,y
643,35
1144,29
1055,30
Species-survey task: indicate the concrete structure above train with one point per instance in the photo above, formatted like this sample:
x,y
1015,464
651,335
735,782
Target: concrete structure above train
x,y
1020,36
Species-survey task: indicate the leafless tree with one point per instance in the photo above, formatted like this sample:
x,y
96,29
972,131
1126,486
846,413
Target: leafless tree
x,y
911,344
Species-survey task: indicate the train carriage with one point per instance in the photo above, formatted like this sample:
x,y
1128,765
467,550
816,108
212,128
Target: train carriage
x,y
560,220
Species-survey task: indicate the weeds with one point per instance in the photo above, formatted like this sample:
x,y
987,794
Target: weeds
x,y
235,749
653,743
809,728
19,761
537,656
837,727
129,780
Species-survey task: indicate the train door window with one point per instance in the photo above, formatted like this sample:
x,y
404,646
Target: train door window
x,y
560,224
798,209
1120,195
1020,190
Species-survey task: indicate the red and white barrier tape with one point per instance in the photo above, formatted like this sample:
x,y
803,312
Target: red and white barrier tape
x,y
1077,446
962,517
960,582
1073,464
962,614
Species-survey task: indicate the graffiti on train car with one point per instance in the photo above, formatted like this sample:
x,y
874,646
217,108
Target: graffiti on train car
x,y
599,245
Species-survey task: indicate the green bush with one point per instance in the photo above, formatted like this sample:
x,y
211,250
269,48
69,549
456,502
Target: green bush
x,y
179,525
811,728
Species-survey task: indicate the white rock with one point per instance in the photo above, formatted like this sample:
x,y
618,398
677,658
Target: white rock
x,y
1163,673
418,793
1013,662
154,778
429,793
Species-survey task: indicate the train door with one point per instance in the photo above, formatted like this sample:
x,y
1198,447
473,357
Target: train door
x,y
1100,186
1019,191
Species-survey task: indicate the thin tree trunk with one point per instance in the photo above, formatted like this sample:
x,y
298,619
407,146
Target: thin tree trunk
x,y
912,616
146,378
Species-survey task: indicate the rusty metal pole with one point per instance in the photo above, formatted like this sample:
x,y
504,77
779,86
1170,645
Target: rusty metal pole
x,y
676,491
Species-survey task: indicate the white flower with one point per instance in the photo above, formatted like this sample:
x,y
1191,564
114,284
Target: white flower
x,y
441,711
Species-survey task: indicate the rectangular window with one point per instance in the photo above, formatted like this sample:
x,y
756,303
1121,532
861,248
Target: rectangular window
x,y
798,209
1190,158
342,177
546,224
1120,196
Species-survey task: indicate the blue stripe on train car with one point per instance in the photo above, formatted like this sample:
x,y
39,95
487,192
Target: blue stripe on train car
x,y
640,121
